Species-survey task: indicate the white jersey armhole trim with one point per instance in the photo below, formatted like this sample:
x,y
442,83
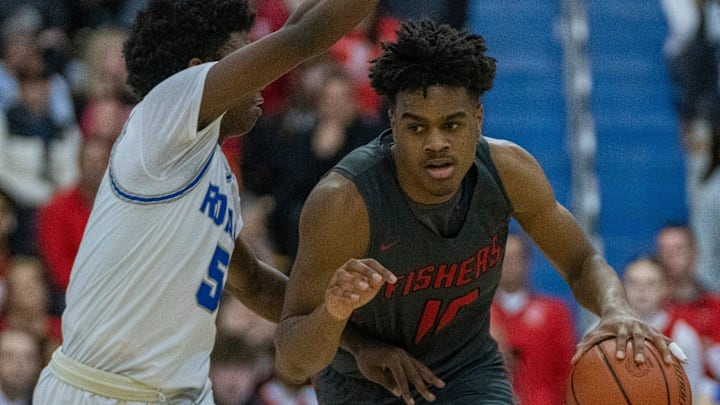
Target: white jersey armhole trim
x,y
160,198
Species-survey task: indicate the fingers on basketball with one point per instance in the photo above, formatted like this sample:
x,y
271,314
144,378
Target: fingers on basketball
x,y
599,377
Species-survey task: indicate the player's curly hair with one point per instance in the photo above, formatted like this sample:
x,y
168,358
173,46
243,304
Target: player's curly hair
x,y
426,54
169,33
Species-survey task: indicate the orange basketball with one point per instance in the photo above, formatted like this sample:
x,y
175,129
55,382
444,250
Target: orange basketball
x,y
600,378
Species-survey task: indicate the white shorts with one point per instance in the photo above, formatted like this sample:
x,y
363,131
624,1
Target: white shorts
x,y
51,390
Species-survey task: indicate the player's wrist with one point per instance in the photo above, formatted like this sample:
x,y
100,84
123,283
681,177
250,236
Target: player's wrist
x,y
336,312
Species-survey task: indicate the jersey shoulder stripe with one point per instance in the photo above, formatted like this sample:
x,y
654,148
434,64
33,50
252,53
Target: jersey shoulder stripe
x,y
140,199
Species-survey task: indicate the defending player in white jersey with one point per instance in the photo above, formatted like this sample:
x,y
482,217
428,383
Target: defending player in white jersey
x,y
162,239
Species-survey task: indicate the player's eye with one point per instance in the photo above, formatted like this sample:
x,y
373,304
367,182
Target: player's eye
x,y
452,125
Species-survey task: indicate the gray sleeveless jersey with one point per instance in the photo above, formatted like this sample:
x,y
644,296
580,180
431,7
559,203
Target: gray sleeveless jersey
x,y
439,309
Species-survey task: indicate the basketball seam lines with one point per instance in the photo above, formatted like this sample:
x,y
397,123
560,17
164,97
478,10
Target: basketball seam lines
x,y
662,371
572,385
615,377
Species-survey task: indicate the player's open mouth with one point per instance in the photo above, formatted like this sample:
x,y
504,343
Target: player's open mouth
x,y
440,168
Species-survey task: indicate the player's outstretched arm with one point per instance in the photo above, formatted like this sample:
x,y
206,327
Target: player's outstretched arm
x,y
309,31
555,231
256,284
327,282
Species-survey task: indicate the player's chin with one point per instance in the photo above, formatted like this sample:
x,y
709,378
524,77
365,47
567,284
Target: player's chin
x,y
247,124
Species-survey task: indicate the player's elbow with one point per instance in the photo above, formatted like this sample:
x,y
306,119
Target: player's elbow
x,y
294,369
291,372
295,362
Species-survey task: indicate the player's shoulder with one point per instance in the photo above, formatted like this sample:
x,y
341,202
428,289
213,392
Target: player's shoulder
x,y
335,185
335,215
335,195
508,154
518,169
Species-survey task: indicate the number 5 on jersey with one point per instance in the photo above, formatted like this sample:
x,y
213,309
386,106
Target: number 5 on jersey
x,y
210,291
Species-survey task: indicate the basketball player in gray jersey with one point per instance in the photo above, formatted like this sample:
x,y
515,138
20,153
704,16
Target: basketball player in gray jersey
x,y
162,240
403,243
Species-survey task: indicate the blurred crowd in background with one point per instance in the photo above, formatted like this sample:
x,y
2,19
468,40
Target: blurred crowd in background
x,y
63,102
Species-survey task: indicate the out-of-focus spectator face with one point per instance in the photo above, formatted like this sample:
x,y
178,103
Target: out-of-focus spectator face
x,y
27,297
515,265
22,53
106,70
8,221
113,61
35,94
26,286
676,252
104,117
19,363
337,100
310,84
645,286
233,383
94,157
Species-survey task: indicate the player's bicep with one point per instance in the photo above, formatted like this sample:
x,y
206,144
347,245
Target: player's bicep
x,y
551,226
333,229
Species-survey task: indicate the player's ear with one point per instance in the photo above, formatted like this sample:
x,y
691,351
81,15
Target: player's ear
x,y
194,62
393,119
479,114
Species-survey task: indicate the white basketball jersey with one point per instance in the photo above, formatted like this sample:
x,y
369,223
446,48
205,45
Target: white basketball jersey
x,y
147,280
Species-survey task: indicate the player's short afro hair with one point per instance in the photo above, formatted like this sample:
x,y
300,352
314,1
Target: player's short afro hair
x,y
426,54
169,33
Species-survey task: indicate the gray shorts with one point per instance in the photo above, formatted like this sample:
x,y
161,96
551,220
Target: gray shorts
x,y
481,385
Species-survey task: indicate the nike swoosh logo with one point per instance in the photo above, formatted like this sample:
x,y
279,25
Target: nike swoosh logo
x,y
386,246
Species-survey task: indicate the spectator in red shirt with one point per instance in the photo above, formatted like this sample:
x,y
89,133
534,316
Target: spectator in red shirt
x,y
539,334
647,289
61,223
676,251
354,52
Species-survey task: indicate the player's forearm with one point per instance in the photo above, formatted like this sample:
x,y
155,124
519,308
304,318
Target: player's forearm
x,y
306,344
336,17
256,284
597,287
262,290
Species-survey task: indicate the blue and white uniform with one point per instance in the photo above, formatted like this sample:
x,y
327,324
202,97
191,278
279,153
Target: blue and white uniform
x,y
148,277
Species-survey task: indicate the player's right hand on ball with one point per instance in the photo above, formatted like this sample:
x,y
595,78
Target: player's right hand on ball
x,y
354,284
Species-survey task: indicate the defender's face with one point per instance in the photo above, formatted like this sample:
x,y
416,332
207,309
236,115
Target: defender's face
x,y
435,141
241,118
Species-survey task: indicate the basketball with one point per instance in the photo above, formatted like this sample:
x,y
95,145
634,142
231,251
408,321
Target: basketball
x,y
600,378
